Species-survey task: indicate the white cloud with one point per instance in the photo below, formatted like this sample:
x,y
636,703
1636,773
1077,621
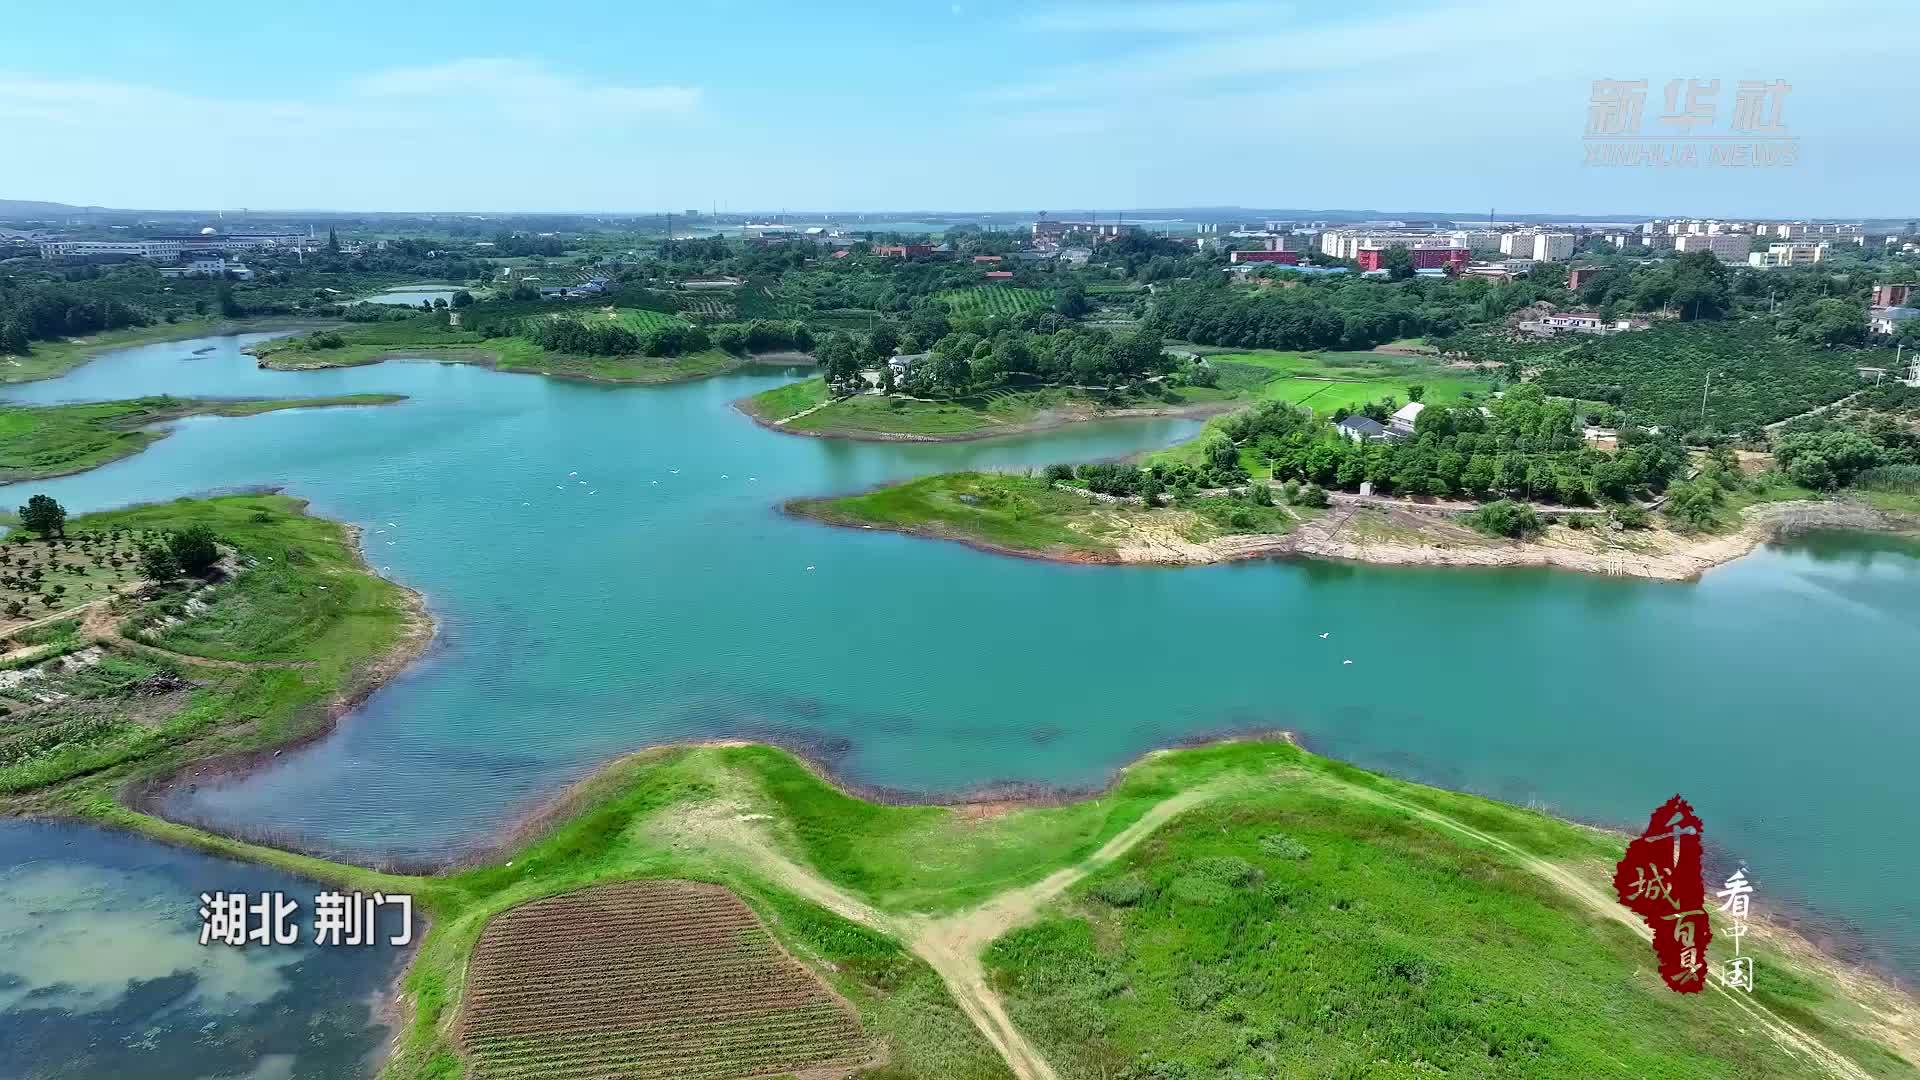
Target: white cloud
x,y
521,85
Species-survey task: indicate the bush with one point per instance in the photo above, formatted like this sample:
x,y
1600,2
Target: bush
x,y
1630,516
157,564
1059,473
1123,891
1282,846
1506,518
1314,495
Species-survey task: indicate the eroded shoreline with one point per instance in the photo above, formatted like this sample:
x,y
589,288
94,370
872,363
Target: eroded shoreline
x,y
1419,539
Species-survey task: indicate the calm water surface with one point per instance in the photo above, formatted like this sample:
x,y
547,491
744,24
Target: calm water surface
x,y
411,295
103,977
609,571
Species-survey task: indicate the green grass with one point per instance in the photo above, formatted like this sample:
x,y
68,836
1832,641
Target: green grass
x,y
784,401
995,300
39,441
1027,515
1326,381
1017,513
993,412
308,600
1299,928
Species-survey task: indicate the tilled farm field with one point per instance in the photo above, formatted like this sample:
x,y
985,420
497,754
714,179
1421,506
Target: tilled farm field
x,y
648,979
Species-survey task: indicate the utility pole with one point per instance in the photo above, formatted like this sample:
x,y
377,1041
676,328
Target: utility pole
x,y
1703,399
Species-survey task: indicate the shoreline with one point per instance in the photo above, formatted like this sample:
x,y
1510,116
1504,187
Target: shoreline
x,y
1320,538
147,795
92,350
483,357
1193,411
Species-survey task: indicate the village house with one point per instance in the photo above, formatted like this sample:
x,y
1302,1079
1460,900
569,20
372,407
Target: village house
x,y
1362,429
1400,424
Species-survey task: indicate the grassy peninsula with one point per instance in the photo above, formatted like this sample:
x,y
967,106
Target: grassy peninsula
x,y
39,441
621,345
1244,909
111,685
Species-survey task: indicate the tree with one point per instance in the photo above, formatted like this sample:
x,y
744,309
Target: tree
x,y
1416,392
1072,302
1397,262
157,564
44,516
194,549
333,240
462,298
1506,518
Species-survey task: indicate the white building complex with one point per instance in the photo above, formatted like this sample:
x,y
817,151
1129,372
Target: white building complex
x,y
1799,253
1728,247
1538,246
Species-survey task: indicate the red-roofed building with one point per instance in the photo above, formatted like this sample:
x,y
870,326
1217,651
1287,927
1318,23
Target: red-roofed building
x,y
999,275
986,259
903,251
1424,258
842,253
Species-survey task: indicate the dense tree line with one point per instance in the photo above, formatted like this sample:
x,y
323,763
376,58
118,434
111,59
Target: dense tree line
x,y
566,334
44,311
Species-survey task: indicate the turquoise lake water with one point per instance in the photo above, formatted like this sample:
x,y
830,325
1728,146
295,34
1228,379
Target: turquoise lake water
x,y
659,595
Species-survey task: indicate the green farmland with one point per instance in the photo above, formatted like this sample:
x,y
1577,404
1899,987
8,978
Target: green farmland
x,y
995,300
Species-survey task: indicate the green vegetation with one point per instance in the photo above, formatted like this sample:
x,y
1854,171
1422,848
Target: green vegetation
x,y
1016,513
38,441
429,337
1047,516
1658,376
784,401
295,627
1246,909
995,300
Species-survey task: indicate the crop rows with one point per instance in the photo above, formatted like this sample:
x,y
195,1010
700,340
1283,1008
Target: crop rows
x,y
995,300
646,979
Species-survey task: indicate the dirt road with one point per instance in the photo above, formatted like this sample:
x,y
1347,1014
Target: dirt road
x,y
952,944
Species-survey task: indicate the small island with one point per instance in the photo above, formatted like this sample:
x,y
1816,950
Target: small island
x,y
42,441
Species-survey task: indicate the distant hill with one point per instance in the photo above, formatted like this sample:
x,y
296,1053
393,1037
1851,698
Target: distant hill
x,y
30,208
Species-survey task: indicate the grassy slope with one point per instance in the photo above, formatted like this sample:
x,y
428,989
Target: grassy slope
x,y
784,401
873,416
54,440
275,611
1012,512
1027,515
1390,947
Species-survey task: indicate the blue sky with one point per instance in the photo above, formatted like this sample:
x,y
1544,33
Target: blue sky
x,y
911,104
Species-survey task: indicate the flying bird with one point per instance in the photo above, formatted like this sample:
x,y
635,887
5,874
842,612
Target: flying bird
x,y
1323,637
1346,661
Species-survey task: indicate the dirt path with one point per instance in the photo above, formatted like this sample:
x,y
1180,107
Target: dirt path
x,y
1600,903
952,944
